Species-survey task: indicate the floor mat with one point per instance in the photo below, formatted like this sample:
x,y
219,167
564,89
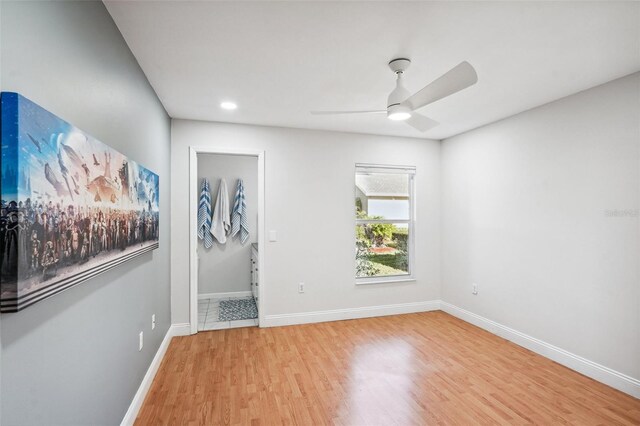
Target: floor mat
x,y
237,309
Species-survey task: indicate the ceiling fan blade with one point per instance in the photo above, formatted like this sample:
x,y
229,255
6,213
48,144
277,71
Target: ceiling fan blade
x,y
460,77
378,111
420,122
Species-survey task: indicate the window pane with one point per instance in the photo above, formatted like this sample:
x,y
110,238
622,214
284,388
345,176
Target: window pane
x,y
382,249
382,196
389,209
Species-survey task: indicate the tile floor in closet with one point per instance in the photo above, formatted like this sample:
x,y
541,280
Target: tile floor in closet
x,y
208,315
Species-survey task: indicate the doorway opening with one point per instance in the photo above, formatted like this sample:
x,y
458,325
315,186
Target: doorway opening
x,y
226,238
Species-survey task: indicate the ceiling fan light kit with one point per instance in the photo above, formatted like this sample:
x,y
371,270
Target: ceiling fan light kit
x,y
401,104
398,112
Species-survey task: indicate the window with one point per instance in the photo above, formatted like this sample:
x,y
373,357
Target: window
x,y
384,223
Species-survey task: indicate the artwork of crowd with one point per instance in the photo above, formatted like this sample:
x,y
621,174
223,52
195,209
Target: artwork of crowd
x,y
71,207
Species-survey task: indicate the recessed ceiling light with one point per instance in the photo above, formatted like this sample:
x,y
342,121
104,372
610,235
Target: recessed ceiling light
x,y
228,105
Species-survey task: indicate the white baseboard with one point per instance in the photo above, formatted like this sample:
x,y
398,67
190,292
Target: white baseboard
x,y
182,329
598,372
349,313
222,295
138,399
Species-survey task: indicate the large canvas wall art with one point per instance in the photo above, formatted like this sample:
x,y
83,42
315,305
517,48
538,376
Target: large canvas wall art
x,y
71,207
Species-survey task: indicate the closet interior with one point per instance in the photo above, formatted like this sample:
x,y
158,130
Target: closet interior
x,y
227,241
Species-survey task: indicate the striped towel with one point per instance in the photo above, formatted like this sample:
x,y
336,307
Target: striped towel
x,y
204,214
239,216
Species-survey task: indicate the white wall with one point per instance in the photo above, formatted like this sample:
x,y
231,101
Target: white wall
x,y
310,203
541,210
73,359
226,267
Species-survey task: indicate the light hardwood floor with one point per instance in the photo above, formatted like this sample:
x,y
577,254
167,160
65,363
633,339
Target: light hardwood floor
x,y
427,368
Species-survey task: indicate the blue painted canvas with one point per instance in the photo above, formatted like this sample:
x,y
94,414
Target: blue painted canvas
x,y
71,206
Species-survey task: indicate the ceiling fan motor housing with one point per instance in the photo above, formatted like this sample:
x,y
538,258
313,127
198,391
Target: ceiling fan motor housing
x,y
396,110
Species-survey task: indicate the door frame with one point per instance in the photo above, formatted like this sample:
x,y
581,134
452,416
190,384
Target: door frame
x,y
194,194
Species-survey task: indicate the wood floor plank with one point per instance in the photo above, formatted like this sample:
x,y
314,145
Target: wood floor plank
x,y
426,368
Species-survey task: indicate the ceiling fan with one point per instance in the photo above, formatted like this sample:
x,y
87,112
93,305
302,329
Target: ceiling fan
x,y
402,105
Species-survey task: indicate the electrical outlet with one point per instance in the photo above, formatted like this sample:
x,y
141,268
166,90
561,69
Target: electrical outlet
x,y
153,321
474,288
141,341
300,287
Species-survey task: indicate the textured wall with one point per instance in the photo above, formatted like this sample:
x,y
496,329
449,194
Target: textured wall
x,y
73,358
309,201
541,210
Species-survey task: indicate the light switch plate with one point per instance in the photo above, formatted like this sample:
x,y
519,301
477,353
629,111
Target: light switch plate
x,y
273,236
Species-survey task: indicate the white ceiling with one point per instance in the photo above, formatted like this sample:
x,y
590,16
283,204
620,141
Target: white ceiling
x,y
279,60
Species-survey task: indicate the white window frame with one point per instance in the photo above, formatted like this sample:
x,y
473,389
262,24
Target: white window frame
x,y
411,172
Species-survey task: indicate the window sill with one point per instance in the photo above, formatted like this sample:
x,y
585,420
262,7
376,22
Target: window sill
x,y
385,280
